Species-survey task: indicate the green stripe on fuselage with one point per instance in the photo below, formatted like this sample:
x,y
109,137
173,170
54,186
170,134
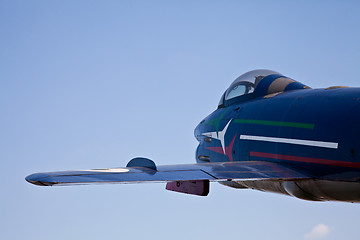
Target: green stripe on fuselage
x,y
216,122
275,123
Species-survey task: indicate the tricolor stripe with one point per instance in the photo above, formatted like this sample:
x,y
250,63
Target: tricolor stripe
x,y
306,159
291,141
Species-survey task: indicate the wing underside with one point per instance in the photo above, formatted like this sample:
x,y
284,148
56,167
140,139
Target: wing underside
x,y
245,170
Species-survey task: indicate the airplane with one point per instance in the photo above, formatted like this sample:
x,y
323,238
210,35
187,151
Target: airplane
x,y
268,133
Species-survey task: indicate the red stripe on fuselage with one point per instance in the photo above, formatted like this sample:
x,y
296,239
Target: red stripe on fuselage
x,y
228,149
306,159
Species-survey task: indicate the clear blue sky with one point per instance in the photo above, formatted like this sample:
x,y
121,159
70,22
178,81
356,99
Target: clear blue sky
x,y
92,84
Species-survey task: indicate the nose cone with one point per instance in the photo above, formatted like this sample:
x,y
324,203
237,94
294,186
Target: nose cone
x,y
36,179
198,130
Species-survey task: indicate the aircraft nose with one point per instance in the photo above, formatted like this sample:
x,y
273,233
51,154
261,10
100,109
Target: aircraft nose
x,y
36,179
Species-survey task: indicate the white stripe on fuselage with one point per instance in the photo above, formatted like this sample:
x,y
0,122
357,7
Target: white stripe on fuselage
x,y
291,141
220,135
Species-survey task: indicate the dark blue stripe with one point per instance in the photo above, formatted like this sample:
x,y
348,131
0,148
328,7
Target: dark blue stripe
x,y
294,86
264,84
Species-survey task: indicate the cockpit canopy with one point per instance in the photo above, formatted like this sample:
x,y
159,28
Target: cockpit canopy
x,y
247,83
258,83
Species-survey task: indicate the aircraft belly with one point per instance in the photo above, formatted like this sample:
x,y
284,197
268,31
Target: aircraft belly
x,y
323,190
274,186
313,190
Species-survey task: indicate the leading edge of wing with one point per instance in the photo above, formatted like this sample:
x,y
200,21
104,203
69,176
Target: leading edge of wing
x,y
244,170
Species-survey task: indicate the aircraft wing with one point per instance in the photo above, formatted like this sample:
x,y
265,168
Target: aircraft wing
x,y
144,170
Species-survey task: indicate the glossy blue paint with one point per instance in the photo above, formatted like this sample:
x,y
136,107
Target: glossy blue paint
x,y
335,114
269,133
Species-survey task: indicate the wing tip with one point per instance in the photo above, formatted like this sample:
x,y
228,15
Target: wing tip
x,y
37,178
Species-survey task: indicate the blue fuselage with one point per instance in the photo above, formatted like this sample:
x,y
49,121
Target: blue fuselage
x,y
269,133
316,131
